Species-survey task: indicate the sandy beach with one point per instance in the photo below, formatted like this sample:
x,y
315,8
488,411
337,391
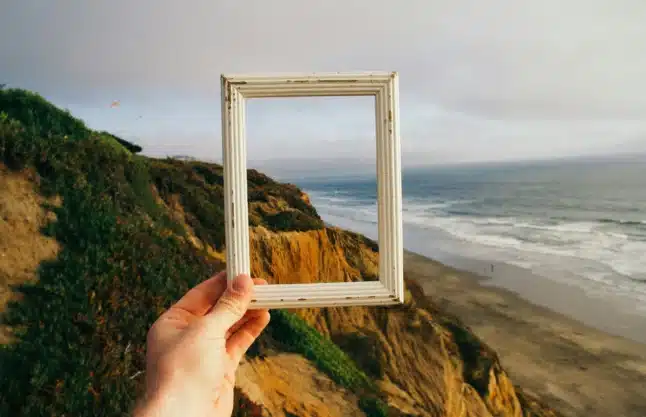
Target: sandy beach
x,y
578,369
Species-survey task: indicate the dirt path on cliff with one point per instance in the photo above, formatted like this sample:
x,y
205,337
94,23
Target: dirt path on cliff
x,y
574,368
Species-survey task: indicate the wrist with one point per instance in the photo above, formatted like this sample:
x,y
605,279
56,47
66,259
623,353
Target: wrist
x,y
172,402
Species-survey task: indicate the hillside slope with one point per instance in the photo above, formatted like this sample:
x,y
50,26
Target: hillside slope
x,y
118,237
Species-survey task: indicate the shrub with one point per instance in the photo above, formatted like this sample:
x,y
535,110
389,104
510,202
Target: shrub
x,y
292,220
39,116
297,336
373,407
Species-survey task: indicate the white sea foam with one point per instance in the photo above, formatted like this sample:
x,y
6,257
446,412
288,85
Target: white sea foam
x,y
609,259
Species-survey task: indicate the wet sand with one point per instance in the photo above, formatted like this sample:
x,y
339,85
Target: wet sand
x,y
576,368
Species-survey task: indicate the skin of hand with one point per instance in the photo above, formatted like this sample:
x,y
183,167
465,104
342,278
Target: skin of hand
x,y
194,348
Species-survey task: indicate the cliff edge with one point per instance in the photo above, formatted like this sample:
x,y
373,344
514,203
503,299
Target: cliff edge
x,y
101,240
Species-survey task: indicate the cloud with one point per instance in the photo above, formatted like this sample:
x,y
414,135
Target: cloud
x,y
478,80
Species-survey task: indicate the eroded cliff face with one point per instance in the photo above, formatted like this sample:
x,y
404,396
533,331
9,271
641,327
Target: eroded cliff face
x,y
424,361
325,255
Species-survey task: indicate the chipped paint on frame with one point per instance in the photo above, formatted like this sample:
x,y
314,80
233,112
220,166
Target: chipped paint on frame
x,y
236,89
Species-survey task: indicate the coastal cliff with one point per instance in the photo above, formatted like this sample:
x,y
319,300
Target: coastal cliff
x,y
96,241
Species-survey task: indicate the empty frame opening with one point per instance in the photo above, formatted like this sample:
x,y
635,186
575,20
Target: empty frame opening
x,y
326,146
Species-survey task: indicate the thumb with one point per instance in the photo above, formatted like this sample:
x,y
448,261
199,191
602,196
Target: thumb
x,y
232,305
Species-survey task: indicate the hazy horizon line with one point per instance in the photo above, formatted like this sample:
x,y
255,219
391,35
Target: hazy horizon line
x,y
348,167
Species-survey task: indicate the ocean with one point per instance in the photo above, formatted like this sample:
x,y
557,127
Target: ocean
x,y
580,222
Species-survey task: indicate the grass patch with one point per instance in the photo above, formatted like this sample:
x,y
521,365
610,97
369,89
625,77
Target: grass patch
x,y
295,335
373,407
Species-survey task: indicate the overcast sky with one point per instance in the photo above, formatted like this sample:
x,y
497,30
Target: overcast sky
x,y
490,80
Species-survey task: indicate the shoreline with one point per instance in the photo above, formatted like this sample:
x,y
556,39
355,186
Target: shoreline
x,y
604,313
577,369
583,356
601,314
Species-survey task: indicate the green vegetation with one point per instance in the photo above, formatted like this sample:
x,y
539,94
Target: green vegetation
x,y
294,335
297,336
42,119
373,407
364,350
81,328
39,116
291,220
198,187
131,147
477,357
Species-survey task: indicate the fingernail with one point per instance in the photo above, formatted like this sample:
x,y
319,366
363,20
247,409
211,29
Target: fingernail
x,y
240,283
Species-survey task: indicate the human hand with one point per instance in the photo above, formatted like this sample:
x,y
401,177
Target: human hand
x,y
194,348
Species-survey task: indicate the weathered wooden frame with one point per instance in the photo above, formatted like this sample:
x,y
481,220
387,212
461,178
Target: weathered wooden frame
x,y
384,86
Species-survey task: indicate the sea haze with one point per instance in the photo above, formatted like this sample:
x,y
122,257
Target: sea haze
x,y
582,222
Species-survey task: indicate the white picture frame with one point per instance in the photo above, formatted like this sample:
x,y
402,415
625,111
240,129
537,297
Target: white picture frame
x,y
384,86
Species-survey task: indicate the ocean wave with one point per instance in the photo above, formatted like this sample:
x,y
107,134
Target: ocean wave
x,y
576,240
623,222
619,251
